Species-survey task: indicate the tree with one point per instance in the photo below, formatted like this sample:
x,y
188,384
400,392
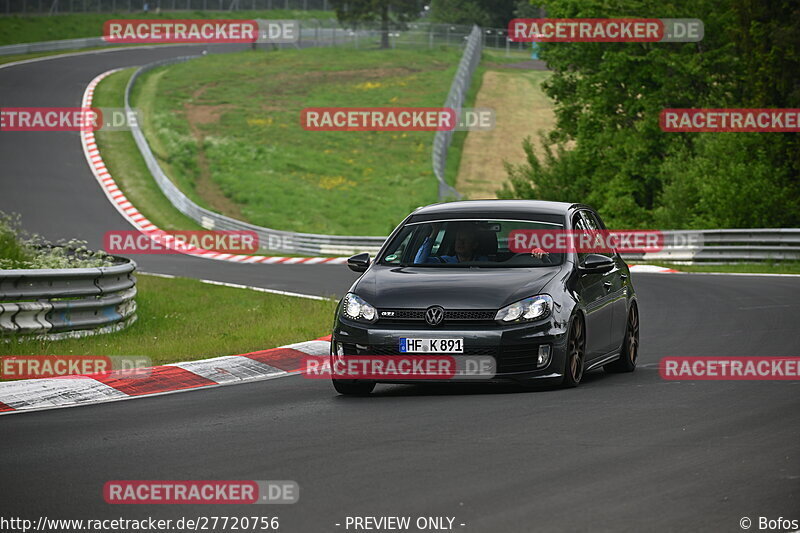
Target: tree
x,y
354,13
486,13
608,150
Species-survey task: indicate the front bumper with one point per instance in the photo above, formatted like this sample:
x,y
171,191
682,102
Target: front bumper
x,y
514,348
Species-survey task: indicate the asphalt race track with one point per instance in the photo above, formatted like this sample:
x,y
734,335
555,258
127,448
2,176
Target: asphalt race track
x,y
46,179
620,453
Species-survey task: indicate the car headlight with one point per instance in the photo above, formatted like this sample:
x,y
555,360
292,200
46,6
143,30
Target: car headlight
x,y
533,308
356,308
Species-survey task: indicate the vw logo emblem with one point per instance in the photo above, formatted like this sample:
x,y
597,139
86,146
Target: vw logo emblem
x,y
434,315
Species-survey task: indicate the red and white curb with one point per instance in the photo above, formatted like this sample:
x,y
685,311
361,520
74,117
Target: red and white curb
x,y
70,391
141,223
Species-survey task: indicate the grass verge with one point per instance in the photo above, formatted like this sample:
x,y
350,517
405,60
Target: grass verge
x,y
184,320
123,160
17,29
226,130
126,165
788,267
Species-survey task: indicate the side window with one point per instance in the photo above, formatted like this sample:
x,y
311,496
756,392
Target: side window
x,y
594,224
578,224
596,218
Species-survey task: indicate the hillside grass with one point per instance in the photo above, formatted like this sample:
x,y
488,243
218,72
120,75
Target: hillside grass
x,y
16,29
227,130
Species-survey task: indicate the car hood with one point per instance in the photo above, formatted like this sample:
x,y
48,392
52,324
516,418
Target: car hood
x,y
453,288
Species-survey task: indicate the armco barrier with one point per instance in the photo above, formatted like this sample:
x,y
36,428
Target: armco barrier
x,y
283,241
314,33
52,46
67,302
307,243
726,246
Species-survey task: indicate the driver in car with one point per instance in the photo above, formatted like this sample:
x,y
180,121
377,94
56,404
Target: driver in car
x,y
466,246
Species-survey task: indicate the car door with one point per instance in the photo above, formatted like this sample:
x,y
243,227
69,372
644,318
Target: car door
x,y
616,287
593,293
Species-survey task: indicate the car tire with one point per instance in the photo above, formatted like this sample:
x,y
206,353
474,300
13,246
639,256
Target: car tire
x,y
575,359
352,387
630,346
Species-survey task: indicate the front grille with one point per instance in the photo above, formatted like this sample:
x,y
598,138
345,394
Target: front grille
x,y
403,314
509,359
451,316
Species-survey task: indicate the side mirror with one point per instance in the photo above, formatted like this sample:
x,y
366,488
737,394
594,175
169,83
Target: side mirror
x,y
596,264
359,262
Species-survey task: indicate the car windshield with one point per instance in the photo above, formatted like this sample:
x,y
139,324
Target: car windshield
x,y
467,243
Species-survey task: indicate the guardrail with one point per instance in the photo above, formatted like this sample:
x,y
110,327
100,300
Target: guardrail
x,y
292,242
455,100
321,32
53,46
69,302
282,241
726,246
723,245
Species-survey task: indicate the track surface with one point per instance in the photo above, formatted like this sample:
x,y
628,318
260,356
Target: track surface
x,y
622,452
46,179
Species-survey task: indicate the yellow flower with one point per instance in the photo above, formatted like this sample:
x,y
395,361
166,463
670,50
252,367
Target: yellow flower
x,y
335,182
367,85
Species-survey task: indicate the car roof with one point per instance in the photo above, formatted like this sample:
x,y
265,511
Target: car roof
x,y
508,207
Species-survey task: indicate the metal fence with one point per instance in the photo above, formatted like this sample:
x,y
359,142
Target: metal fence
x,y
55,303
455,100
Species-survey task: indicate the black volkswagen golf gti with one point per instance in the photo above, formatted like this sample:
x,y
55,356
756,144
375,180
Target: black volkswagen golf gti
x,y
447,281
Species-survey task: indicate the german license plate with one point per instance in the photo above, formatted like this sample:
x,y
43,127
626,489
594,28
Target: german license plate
x,y
410,345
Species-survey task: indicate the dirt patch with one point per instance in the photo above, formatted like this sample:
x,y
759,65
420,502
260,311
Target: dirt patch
x,y
198,115
521,110
293,84
347,75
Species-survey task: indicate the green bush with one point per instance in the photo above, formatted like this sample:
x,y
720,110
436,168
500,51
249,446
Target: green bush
x,y
608,149
20,250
